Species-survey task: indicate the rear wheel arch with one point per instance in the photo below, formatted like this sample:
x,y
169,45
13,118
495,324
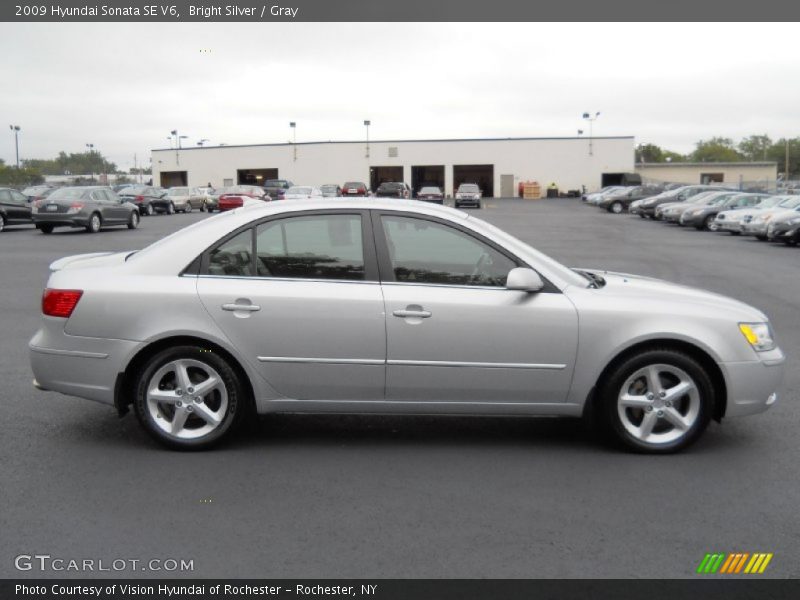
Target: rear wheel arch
x,y
124,389
699,354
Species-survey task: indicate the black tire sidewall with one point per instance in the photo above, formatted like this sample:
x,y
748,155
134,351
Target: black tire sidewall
x,y
609,391
237,400
133,220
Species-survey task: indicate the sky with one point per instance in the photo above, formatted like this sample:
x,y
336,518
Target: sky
x,y
124,86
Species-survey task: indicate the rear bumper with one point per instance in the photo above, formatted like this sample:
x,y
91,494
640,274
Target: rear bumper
x,y
61,220
753,386
77,366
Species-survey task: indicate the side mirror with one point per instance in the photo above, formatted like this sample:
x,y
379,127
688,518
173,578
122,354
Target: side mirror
x,y
524,280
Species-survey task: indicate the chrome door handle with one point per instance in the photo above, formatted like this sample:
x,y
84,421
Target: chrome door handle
x,y
419,314
247,307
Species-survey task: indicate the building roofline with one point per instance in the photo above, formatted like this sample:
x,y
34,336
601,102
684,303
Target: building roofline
x,y
743,163
416,141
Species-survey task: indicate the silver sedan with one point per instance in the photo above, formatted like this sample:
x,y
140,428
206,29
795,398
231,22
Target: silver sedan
x,y
376,306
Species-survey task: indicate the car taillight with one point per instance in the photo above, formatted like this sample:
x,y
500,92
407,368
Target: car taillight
x,y
74,208
60,303
139,198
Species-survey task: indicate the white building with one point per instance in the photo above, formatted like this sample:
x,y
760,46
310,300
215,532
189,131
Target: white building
x,y
498,165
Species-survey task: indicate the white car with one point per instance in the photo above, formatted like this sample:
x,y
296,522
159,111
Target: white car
x,y
302,192
733,220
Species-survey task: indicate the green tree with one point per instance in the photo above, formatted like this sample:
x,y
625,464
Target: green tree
x,y
777,152
10,176
717,149
755,147
656,154
76,163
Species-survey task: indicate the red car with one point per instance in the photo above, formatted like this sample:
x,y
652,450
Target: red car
x,y
355,189
431,194
233,197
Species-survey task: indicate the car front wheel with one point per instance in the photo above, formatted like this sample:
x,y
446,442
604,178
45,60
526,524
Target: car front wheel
x,y
170,209
2,222
711,223
616,208
188,397
658,401
188,208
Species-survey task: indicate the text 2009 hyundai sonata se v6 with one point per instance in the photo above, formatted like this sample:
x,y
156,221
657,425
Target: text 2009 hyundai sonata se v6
x,y
373,306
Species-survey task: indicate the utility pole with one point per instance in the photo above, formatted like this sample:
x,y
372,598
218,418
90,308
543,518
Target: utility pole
x,y
16,130
786,176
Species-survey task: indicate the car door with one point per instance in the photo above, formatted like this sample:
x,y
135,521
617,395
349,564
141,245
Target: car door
x,y
299,296
116,207
18,209
454,333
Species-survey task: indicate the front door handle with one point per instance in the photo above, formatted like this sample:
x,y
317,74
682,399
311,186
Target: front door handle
x,y
417,313
246,307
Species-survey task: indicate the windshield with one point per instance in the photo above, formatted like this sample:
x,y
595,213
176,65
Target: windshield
x,y
790,202
430,190
468,187
328,188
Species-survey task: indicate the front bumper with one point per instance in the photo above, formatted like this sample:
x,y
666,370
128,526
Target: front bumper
x,y
758,229
728,225
783,233
752,386
467,201
77,366
692,220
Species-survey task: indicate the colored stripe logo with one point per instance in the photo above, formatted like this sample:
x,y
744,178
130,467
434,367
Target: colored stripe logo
x,y
734,563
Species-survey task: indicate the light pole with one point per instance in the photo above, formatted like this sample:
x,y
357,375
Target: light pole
x,y
591,119
367,123
16,130
203,141
91,156
183,137
293,125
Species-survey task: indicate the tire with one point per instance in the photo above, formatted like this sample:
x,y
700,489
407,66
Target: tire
x,y
761,238
642,215
188,208
150,210
478,206
628,404
203,206
46,229
710,223
735,232
2,222
616,208
170,209
94,224
201,424
133,220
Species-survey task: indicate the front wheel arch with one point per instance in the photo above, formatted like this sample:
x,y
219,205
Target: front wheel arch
x,y
123,389
706,361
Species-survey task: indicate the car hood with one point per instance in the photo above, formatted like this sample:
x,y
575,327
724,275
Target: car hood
x,y
642,289
91,260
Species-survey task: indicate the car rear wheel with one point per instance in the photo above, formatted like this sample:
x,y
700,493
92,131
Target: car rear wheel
x,y
658,401
188,208
46,228
150,210
203,206
188,397
642,216
133,220
93,226
616,208
2,222
170,209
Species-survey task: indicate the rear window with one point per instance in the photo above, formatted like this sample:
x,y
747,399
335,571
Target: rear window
x,y
430,190
353,184
131,191
179,192
67,194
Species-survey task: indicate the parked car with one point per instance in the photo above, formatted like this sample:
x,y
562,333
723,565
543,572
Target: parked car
x,y
434,314
618,201
35,192
732,220
147,199
785,228
331,190
468,194
234,196
757,225
14,208
647,207
594,199
355,189
302,192
590,197
705,217
91,207
431,194
393,189
276,188
671,211
184,199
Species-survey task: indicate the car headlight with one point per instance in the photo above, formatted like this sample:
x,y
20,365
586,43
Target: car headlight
x,y
759,335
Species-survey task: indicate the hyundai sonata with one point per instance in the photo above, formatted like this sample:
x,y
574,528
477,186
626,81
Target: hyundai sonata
x,y
377,306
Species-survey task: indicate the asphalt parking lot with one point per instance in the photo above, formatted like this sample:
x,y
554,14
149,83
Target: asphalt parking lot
x,y
340,496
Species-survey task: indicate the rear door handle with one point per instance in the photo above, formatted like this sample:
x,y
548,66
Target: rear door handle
x,y
419,314
246,307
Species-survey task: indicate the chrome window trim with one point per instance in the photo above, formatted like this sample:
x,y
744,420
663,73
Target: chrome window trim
x,y
289,279
410,363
